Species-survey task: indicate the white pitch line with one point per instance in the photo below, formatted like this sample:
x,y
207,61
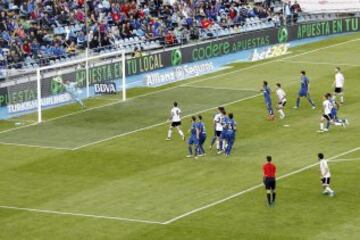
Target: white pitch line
x,y
322,63
254,188
162,123
80,215
190,82
34,146
175,218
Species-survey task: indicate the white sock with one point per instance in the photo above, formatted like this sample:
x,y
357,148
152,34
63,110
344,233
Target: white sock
x,y
341,99
217,144
328,189
282,114
169,133
181,133
321,126
338,124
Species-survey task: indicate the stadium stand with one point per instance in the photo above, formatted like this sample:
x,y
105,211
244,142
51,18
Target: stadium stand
x,y
40,32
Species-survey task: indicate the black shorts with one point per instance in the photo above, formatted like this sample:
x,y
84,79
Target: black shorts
x,y
282,104
325,181
270,183
338,90
218,133
327,117
175,124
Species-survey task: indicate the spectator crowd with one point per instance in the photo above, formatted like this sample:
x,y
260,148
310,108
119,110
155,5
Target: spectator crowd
x,y
37,31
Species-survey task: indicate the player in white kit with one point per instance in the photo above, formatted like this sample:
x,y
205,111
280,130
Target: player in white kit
x,y
175,118
327,106
218,128
281,100
339,85
325,176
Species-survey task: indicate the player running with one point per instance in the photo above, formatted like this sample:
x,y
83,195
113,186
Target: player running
x,y
326,116
339,85
175,118
230,133
267,97
325,175
269,170
193,139
202,136
218,128
72,89
304,90
334,118
281,100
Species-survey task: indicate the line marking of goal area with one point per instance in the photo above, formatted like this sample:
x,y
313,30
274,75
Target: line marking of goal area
x,y
190,82
254,188
80,215
332,159
321,63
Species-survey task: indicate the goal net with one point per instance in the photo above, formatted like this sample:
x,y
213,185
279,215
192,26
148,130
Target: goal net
x,y
67,81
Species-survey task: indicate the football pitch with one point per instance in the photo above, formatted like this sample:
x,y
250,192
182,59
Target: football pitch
x,y
107,172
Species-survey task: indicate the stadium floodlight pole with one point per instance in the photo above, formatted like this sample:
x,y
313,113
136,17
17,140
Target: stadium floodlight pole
x,y
123,75
38,80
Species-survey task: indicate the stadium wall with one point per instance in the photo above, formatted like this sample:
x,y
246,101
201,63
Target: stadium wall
x,y
21,91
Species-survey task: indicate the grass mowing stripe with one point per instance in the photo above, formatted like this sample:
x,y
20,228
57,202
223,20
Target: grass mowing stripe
x,y
183,215
220,88
322,63
191,82
345,160
162,123
254,188
80,214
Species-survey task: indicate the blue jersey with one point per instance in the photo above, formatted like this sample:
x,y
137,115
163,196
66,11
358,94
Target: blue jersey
x,y
267,94
231,125
304,84
193,129
201,128
333,113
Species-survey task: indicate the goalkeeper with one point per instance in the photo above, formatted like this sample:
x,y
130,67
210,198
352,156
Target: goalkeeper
x,y
71,89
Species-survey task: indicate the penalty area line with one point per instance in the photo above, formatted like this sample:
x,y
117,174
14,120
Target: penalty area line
x,y
34,146
235,195
162,123
79,214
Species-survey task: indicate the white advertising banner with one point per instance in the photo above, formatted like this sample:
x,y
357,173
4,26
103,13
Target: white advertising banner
x,y
326,6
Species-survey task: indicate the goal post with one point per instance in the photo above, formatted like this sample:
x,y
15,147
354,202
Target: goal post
x,y
77,79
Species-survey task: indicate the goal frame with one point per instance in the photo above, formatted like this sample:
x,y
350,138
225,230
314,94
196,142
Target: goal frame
x,y
85,60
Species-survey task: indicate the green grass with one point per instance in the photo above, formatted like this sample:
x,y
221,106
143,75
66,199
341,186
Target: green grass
x,y
140,176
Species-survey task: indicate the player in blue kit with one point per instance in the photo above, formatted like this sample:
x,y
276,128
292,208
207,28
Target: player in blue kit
x,y
202,136
267,97
193,139
334,114
230,133
304,90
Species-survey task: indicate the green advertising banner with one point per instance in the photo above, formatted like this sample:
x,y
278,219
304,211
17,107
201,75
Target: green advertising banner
x,y
107,72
